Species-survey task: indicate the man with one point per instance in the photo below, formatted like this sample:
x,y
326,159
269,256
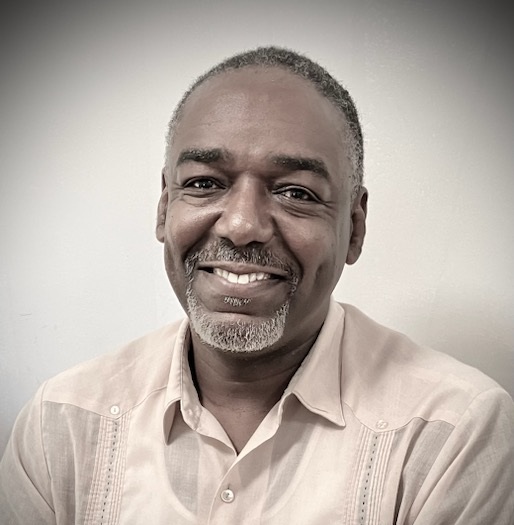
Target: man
x,y
271,403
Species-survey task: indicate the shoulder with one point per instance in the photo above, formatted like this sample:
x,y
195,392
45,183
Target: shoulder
x,y
129,374
387,376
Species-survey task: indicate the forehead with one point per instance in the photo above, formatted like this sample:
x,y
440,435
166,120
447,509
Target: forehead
x,y
257,110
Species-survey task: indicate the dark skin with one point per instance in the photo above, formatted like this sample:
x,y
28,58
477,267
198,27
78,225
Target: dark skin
x,y
240,394
257,159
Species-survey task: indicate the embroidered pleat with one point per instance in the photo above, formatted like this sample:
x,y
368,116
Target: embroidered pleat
x,y
106,489
369,476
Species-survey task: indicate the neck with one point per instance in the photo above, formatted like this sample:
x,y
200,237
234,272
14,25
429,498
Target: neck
x,y
240,390
233,381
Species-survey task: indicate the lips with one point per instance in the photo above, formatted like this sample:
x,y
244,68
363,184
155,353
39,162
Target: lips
x,y
255,278
241,278
251,289
224,255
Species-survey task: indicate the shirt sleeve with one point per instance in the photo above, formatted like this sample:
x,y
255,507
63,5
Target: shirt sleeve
x,y
25,489
472,480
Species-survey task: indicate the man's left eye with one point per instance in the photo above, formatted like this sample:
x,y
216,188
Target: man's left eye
x,y
298,194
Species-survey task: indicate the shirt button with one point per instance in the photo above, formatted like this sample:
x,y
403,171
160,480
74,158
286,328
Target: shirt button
x,y
381,424
115,410
227,496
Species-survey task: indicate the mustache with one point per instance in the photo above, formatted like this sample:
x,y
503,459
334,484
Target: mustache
x,y
225,251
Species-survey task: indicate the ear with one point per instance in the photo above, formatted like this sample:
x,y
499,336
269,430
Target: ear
x,y
162,208
359,212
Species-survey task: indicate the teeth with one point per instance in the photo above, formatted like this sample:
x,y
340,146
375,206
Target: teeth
x,y
244,278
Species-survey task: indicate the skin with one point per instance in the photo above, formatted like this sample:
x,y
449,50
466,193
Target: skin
x,y
272,173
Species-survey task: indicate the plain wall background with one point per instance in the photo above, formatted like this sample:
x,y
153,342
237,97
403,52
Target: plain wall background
x,y
86,92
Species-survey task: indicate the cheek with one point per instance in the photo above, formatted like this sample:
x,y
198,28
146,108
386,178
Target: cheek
x,y
174,268
315,249
185,229
179,237
327,267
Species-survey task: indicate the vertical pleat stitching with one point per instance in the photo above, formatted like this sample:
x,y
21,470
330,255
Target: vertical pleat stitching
x,y
383,450
352,510
104,501
369,475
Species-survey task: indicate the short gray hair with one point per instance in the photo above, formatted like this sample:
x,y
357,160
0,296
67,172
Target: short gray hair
x,y
306,68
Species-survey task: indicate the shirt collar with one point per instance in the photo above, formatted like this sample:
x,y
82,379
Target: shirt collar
x,y
316,384
180,383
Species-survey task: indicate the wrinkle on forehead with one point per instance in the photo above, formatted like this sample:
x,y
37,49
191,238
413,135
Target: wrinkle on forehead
x,y
254,102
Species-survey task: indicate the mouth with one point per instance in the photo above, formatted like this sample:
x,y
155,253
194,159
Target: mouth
x,y
252,289
246,281
244,278
245,274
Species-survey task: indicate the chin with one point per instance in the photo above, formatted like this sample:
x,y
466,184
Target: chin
x,y
241,334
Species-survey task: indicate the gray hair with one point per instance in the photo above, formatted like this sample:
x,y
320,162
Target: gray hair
x,y
306,68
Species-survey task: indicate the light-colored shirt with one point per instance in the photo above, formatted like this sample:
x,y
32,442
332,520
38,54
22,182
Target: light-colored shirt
x,y
372,429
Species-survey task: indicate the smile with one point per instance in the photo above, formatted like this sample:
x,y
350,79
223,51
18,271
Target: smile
x,y
250,287
244,278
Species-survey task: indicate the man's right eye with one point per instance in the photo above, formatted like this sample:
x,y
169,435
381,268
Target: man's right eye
x,y
202,184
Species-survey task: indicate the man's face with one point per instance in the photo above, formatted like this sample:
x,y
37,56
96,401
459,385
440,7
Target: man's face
x,y
256,214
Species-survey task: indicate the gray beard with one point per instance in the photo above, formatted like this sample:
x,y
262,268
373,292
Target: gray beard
x,y
236,337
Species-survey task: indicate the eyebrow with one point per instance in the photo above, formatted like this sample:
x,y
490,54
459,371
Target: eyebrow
x,y
294,163
288,162
205,156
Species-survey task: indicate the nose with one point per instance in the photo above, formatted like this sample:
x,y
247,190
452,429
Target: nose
x,y
246,215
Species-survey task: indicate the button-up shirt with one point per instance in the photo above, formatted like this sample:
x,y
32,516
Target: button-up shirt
x,y
372,429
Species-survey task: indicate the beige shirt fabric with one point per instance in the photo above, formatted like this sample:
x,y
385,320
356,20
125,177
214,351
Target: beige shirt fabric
x,y
372,429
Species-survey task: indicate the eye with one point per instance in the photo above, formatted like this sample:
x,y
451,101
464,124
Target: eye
x,y
298,194
202,184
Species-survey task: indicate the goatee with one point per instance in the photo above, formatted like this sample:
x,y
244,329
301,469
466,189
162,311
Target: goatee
x,y
241,336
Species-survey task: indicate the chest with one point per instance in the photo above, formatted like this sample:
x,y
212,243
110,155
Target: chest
x,y
304,471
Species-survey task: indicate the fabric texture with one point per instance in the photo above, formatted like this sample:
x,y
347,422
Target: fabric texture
x,y
372,429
